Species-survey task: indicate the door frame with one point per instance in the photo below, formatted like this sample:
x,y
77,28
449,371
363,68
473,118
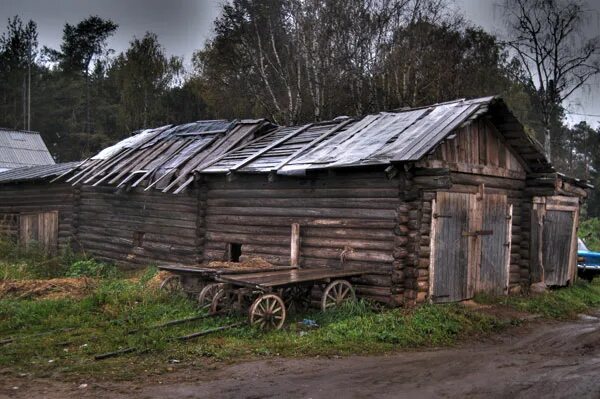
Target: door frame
x,y
474,247
472,244
541,204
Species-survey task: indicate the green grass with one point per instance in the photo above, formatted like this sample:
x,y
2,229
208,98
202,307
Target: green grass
x,y
589,231
20,263
561,303
100,323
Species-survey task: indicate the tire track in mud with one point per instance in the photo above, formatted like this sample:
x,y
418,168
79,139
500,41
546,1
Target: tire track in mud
x,y
550,360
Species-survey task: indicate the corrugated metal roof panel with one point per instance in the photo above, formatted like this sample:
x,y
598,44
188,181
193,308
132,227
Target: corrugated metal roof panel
x,y
38,172
378,139
164,157
22,148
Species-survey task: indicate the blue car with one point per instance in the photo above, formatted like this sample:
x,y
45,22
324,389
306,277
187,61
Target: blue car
x,y
588,262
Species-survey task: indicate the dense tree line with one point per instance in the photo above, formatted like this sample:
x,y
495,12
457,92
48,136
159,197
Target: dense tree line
x,y
83,96
294,61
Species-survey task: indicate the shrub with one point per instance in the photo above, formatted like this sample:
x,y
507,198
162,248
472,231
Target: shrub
x,y
91,268
589,232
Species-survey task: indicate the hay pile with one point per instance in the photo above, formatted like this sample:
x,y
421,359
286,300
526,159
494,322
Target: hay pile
x,y
249,263
157,279
57,288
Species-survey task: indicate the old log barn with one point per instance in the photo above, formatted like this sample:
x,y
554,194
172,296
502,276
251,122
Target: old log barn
x,y
441,202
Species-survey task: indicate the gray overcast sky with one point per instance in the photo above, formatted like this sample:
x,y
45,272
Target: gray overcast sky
x,y
184,25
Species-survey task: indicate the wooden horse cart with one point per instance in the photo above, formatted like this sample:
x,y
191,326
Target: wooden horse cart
x,y
268,294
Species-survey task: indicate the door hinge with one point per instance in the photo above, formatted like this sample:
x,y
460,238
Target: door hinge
x,y
435,215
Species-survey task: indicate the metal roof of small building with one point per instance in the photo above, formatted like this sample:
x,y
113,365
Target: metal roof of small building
x,y
22,148
38,172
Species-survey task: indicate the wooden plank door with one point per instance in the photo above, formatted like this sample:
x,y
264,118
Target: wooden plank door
x,y
495,236
450,266
40,228
28,229
556,246
554,223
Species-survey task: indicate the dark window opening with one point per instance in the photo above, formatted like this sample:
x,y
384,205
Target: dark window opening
x,y
235,251
138,238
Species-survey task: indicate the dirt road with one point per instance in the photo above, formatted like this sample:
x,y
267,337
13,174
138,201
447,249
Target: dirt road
x,y
541,360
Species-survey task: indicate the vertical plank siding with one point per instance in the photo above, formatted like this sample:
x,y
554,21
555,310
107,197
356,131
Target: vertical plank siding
x,y
556,246
451,256
35,198
493,274
478,143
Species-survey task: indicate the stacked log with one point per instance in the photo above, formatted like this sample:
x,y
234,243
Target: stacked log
x,y
423,271
75,245
165,224
201,222
400,253
346,221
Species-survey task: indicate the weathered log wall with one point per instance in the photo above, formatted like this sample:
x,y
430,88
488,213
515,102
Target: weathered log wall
x,y
36,198
345,221
139,227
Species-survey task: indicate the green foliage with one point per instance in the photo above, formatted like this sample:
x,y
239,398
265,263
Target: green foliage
x,y
83,43
562,303
144,73
91,268
589,232
28,262
18,48
32,262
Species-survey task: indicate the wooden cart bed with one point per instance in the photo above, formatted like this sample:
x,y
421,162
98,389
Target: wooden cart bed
x,y
265,280
213,271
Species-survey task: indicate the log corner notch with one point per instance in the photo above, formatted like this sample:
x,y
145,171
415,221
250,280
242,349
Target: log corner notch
x,y
416,213
295,245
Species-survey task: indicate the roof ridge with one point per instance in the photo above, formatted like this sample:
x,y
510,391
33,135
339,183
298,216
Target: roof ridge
x,y
9,130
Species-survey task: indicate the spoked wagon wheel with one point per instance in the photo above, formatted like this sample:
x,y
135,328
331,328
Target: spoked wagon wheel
x,y
336,293
297,298
171,284
207,294
222,301
268,312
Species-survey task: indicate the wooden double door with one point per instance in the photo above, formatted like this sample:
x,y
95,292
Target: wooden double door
x,y
470,244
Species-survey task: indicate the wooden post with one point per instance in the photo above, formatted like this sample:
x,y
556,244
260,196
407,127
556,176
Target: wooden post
x,y
295,245
432,238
